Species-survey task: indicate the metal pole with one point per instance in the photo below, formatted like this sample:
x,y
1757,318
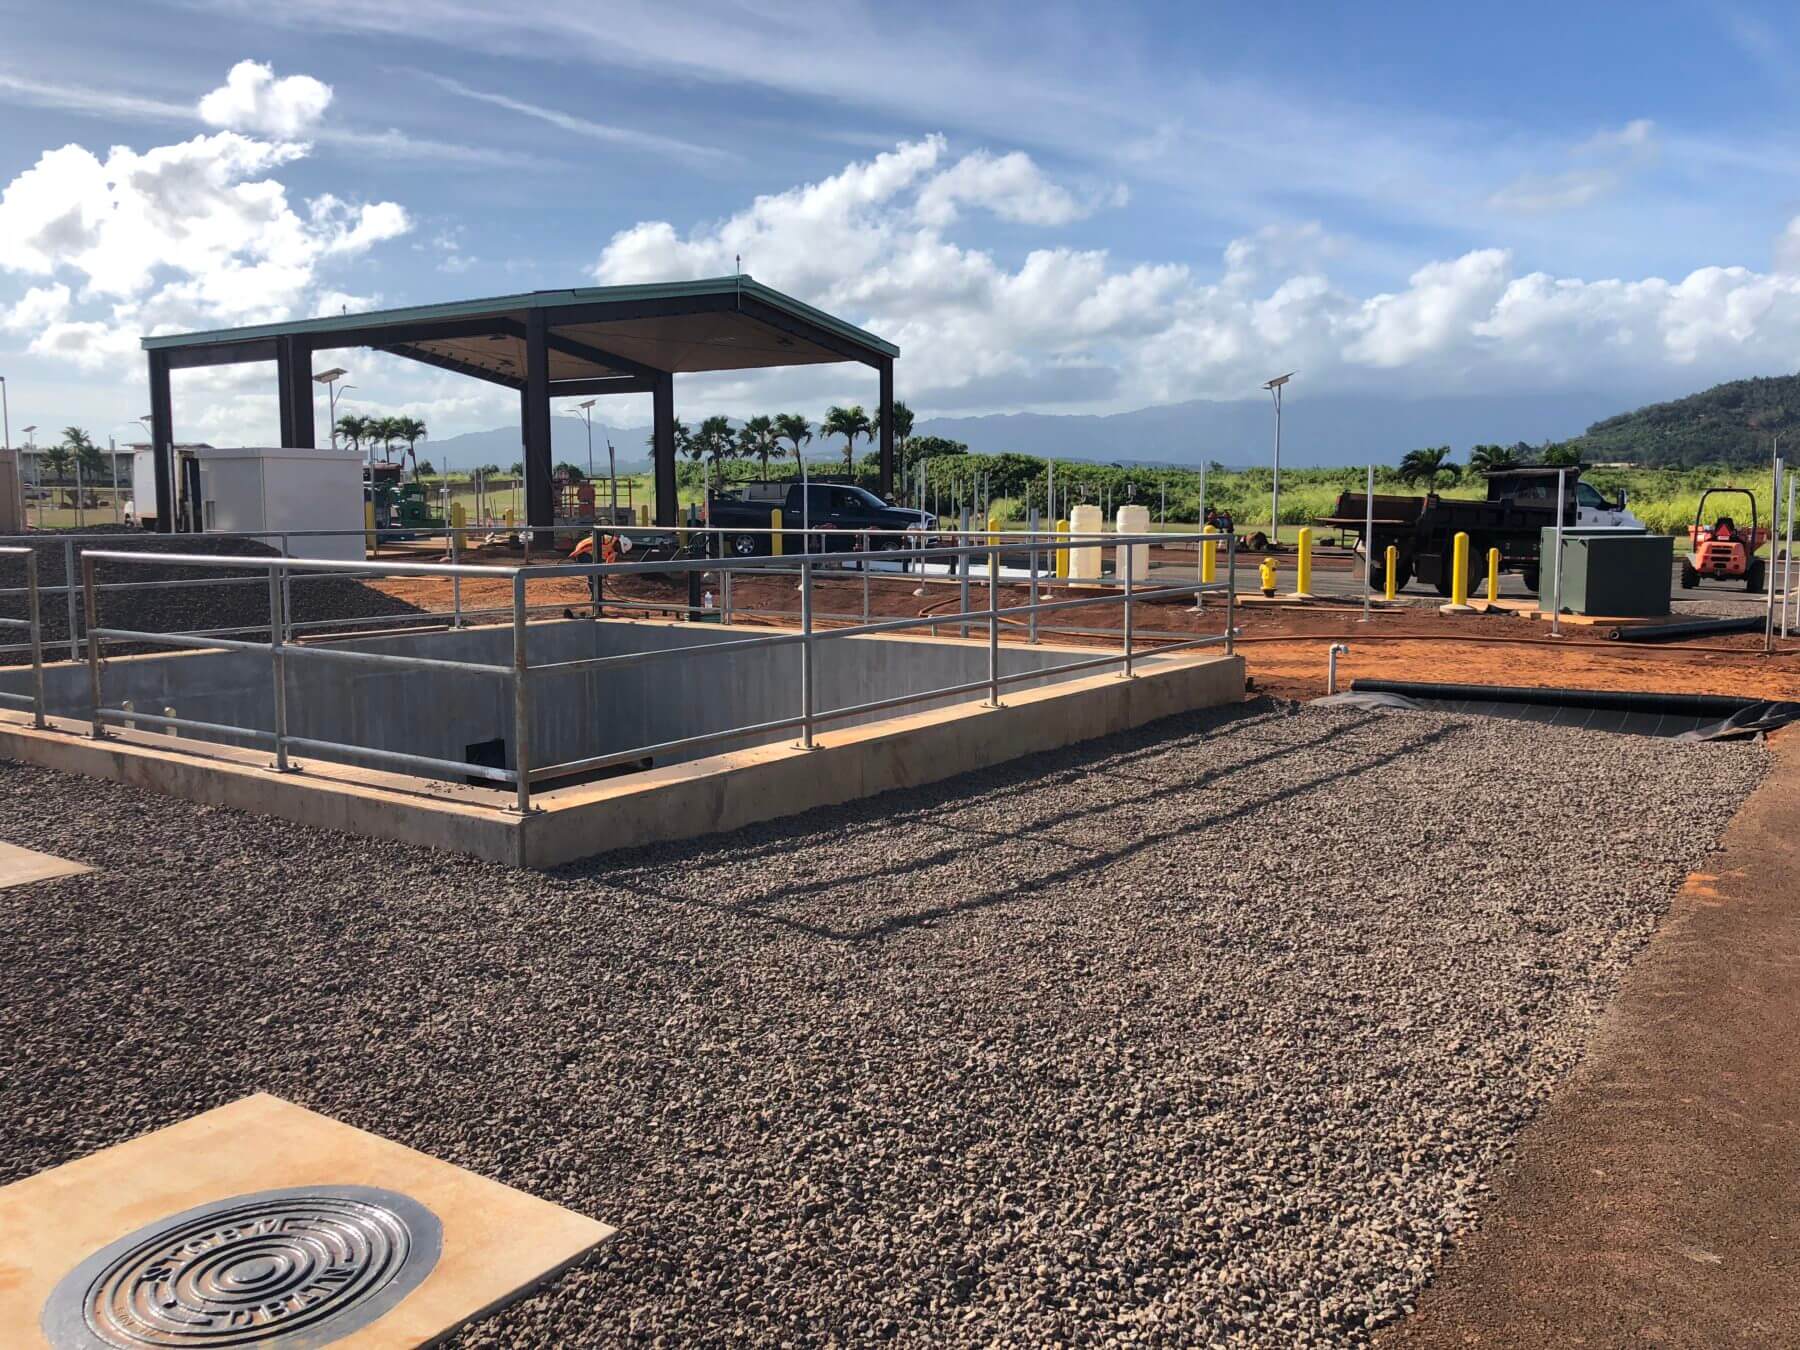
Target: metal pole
x,y
455,560
278,664
1275,481
1034,576
1556,562
962,568
806,655
1368,543
868,548
113,450
725,596
69,589
993,635
596,587
521,698
1200,548
34,614
1128,550
1787,566
1769,573
1230,591
92,599
80,512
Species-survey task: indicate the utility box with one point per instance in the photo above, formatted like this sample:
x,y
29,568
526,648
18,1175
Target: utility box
x,y
1624,576
12,494
263,489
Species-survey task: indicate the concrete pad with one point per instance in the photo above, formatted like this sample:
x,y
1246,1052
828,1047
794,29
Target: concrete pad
x,y
22,866
494,1243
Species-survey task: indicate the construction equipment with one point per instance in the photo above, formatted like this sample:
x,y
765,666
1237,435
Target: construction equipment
x,y
1724,550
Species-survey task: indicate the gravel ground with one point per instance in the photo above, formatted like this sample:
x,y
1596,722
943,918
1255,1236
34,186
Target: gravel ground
x,y
1206,1033
187,609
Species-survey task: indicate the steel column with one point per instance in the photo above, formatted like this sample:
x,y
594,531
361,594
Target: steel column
x,y
278,663
521,698
293,381
162,442
93,647
540,500
663,452
887,428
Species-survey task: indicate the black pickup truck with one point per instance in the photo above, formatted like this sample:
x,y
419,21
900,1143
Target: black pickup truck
x,y
828,510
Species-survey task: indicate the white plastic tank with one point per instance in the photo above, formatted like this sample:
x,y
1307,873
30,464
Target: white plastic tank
x,y
1084,563
1133,520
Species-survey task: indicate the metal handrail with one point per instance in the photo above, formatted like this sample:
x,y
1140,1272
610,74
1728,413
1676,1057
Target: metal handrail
x,y
281,568
33,624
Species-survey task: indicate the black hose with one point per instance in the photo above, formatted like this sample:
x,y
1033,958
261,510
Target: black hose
x,y
1619,700
1668,632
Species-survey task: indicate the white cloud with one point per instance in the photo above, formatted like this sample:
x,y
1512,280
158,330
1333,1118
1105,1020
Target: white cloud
x,y
252,99
976,332
1606,160
1011,186
37,308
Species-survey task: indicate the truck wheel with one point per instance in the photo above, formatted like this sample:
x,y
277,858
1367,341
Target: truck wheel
x,y
1689,577
1530,577
745,545
1753,579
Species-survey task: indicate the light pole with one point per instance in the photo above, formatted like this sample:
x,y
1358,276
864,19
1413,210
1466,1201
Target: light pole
x,y
37,472
587,415
329,379
1274,388
5,415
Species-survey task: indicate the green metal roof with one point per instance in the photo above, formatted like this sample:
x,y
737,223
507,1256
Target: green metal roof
x,y
498,306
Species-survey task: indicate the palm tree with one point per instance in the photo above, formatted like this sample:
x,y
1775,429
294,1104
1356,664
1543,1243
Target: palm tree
x,y
387,431
758,438
794,429
1488,458
714,444
849,423
412,431
57,458
353,429
903,425
1427,464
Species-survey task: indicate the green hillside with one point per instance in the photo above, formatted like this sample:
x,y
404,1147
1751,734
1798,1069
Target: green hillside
x,y
1727,424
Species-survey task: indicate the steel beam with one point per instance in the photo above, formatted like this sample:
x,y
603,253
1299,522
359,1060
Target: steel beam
x,y
663,448
618,384
162,440
569,346
780,319
220,354
293,378
450,363
540,498
404,333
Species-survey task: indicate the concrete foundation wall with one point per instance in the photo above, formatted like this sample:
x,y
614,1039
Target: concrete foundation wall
x,y
575,714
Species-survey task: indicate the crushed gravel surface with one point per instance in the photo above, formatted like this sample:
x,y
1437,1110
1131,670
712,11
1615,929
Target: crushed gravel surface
x,y
184,609
1202,1034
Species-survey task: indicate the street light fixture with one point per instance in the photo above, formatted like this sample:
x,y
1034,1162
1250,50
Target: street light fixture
x,y
1274,388
329,379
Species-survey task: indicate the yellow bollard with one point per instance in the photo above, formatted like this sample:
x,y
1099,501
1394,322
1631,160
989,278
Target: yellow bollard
x,y
775,539
1062,551
1459,569
1209,558
1303,564
993,531
1267,573
1493,575
459,516
1393,563
644,514
368,522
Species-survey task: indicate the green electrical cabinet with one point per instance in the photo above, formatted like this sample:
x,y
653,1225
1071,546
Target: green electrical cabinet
x,y
1624,576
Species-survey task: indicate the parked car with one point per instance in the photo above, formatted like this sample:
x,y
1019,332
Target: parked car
x,y
827,510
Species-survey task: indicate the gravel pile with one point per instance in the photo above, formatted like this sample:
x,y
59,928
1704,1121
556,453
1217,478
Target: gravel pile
x,y
188,608
1206,1033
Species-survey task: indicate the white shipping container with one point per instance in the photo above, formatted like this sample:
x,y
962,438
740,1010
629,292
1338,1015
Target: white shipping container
x,y
261,489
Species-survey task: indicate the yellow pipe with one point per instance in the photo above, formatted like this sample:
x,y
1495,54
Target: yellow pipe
x,y
775,525
1493,575
1459,569
1209,557
993,531
1062,551
1303,563
1393,561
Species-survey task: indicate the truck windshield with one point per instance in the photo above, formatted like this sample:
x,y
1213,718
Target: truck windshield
x,y
1586,494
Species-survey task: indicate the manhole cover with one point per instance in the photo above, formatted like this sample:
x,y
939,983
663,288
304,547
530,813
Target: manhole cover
x,y
289,1269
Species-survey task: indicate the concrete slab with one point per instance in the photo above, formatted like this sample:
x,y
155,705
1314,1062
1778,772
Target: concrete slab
x,y
494,1243
22,866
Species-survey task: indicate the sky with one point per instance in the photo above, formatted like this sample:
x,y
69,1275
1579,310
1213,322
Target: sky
x,y
1048,207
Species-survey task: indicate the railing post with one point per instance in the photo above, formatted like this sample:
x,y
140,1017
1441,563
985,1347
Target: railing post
x,y
1034,576
806,654
993,634
34,614
1129,552
869,547
962,569
724,594
1230,592
69,588
278,660
91,598
287,594
596,584
455,581
521,699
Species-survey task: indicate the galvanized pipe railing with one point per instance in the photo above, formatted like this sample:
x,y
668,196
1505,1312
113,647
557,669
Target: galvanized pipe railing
x,y
33,624
281,570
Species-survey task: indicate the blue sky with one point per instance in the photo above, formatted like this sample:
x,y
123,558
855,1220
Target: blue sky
x,y
1061,208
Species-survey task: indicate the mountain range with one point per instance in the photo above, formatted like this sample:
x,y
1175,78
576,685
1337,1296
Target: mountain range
x,y
1323,429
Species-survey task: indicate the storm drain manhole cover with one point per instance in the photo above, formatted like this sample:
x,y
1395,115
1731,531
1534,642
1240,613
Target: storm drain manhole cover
x,y
291,1268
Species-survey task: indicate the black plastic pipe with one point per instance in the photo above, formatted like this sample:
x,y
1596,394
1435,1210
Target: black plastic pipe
x,y
1668,632
1612,700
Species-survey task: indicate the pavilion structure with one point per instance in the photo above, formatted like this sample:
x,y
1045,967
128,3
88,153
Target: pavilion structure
x,y
546,345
